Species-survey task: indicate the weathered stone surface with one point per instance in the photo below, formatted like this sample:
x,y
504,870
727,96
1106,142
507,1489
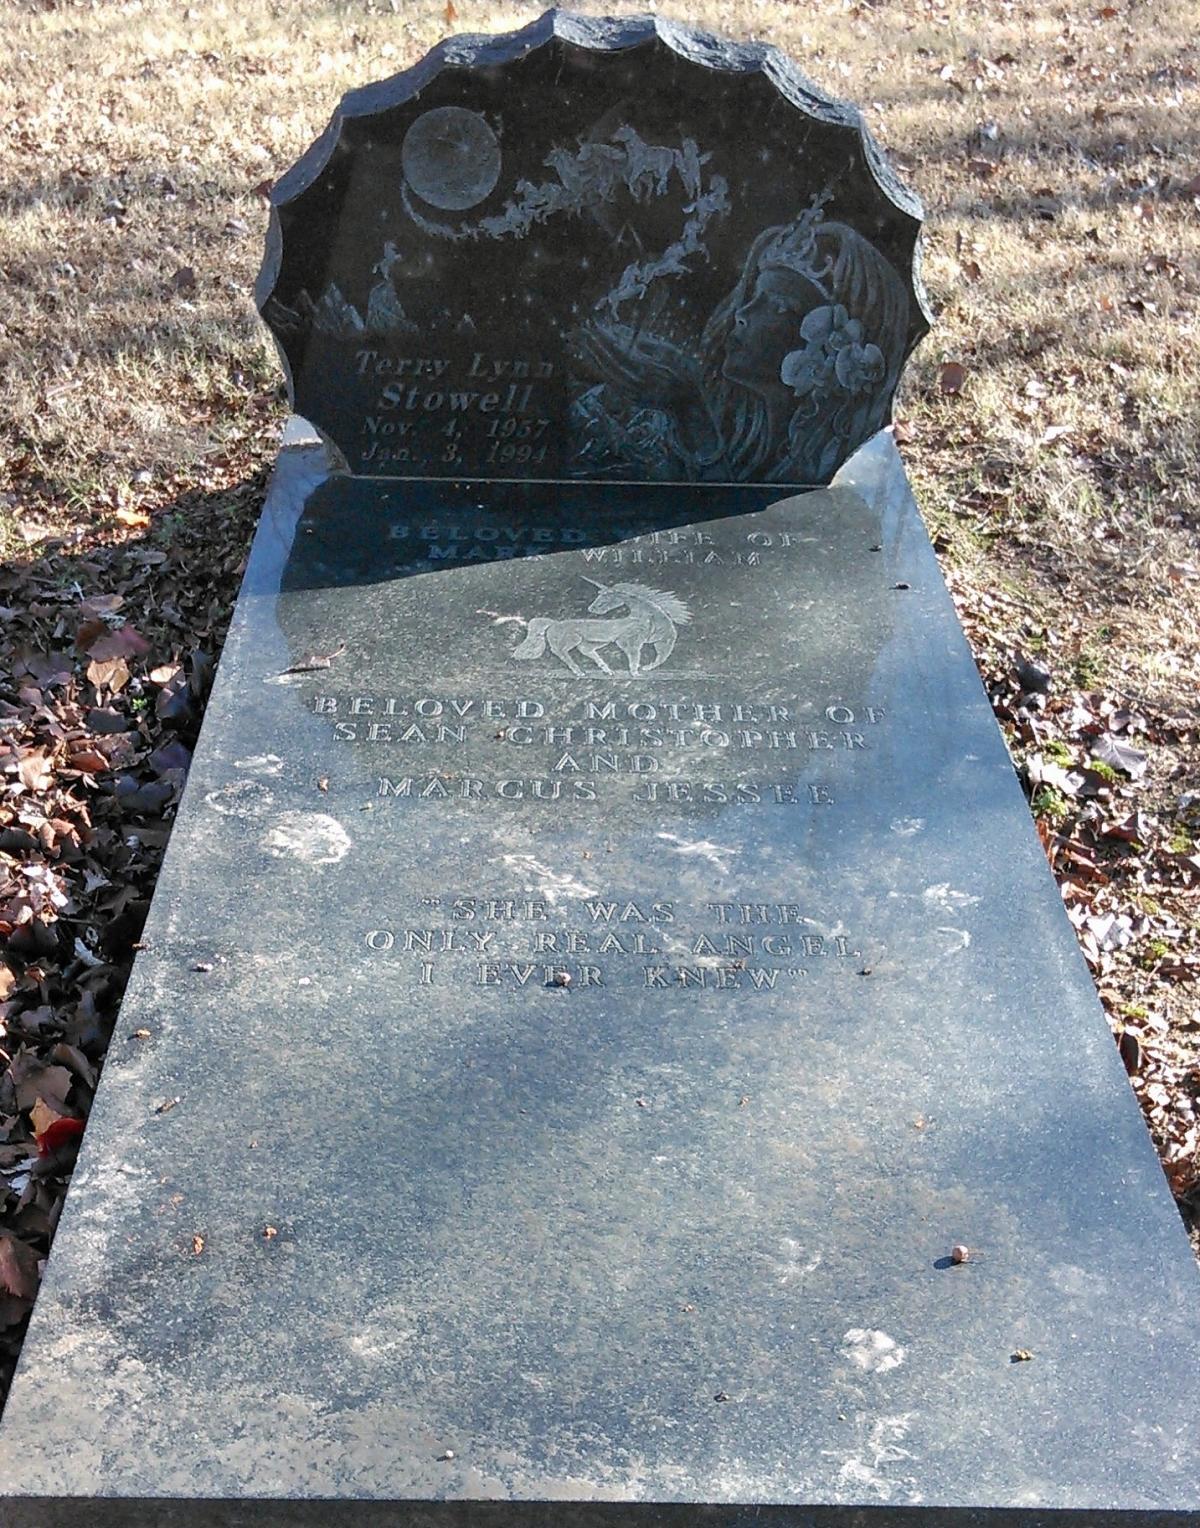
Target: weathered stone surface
x,y
617,249
666,1241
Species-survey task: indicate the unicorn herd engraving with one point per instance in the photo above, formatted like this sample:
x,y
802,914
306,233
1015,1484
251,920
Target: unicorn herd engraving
x,y
652,620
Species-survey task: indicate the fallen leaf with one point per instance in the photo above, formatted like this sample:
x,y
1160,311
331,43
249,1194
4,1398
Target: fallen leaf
x,y
88,762
109,673
33,1080
125,642
42,1116
58,1134
1118,755
18,1267
952,378
35,771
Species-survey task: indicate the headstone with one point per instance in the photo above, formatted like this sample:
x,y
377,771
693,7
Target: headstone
x,y
608,1048
597,249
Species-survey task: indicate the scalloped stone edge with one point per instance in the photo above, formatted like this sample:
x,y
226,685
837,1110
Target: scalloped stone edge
x,y
597,34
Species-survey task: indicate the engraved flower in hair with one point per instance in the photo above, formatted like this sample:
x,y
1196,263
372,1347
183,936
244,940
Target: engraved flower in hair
x,y
807,371
833,355
825,326
859,367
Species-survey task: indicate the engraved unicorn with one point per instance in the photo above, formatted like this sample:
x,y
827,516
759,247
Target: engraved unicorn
x,y
653,619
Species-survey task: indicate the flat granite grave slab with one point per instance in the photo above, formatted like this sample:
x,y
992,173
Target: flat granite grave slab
x,y
602,967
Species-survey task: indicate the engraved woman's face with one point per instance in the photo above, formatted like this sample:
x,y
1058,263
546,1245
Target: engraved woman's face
x,y
767,327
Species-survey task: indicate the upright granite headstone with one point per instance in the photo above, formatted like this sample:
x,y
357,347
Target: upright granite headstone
x,y
598,249
603,963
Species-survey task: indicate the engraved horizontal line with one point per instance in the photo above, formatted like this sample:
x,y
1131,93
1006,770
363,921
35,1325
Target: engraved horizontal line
x,y
605,679
783,488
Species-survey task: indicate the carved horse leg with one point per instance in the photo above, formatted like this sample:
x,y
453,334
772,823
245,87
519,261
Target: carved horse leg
x,y
560,646
589,651
632,646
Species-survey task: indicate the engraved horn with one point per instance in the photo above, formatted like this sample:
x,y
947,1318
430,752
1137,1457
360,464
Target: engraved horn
x,y
596,584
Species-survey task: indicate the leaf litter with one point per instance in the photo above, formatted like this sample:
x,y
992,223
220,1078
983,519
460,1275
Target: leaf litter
x,y
104,674
1103,776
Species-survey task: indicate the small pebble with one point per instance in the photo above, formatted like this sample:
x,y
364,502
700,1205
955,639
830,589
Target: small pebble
x,y
960,1254
449,1454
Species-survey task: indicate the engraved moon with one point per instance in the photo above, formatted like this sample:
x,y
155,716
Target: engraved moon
x,y
451,158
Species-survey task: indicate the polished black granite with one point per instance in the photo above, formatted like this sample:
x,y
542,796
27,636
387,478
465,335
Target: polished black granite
x,y
583,1077
594,248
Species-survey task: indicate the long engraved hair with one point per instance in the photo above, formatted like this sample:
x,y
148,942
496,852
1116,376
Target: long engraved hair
x,y
848,271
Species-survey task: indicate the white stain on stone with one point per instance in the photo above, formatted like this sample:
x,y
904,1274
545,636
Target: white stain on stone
x,y
1079,1283
545,881
313,838
107,1203
872,1350
260,764
717,855
244,798
907,826
880,1451
791,1264
374,1345
958,938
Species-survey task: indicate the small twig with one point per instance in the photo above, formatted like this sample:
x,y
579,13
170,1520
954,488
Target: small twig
x,y
315,661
